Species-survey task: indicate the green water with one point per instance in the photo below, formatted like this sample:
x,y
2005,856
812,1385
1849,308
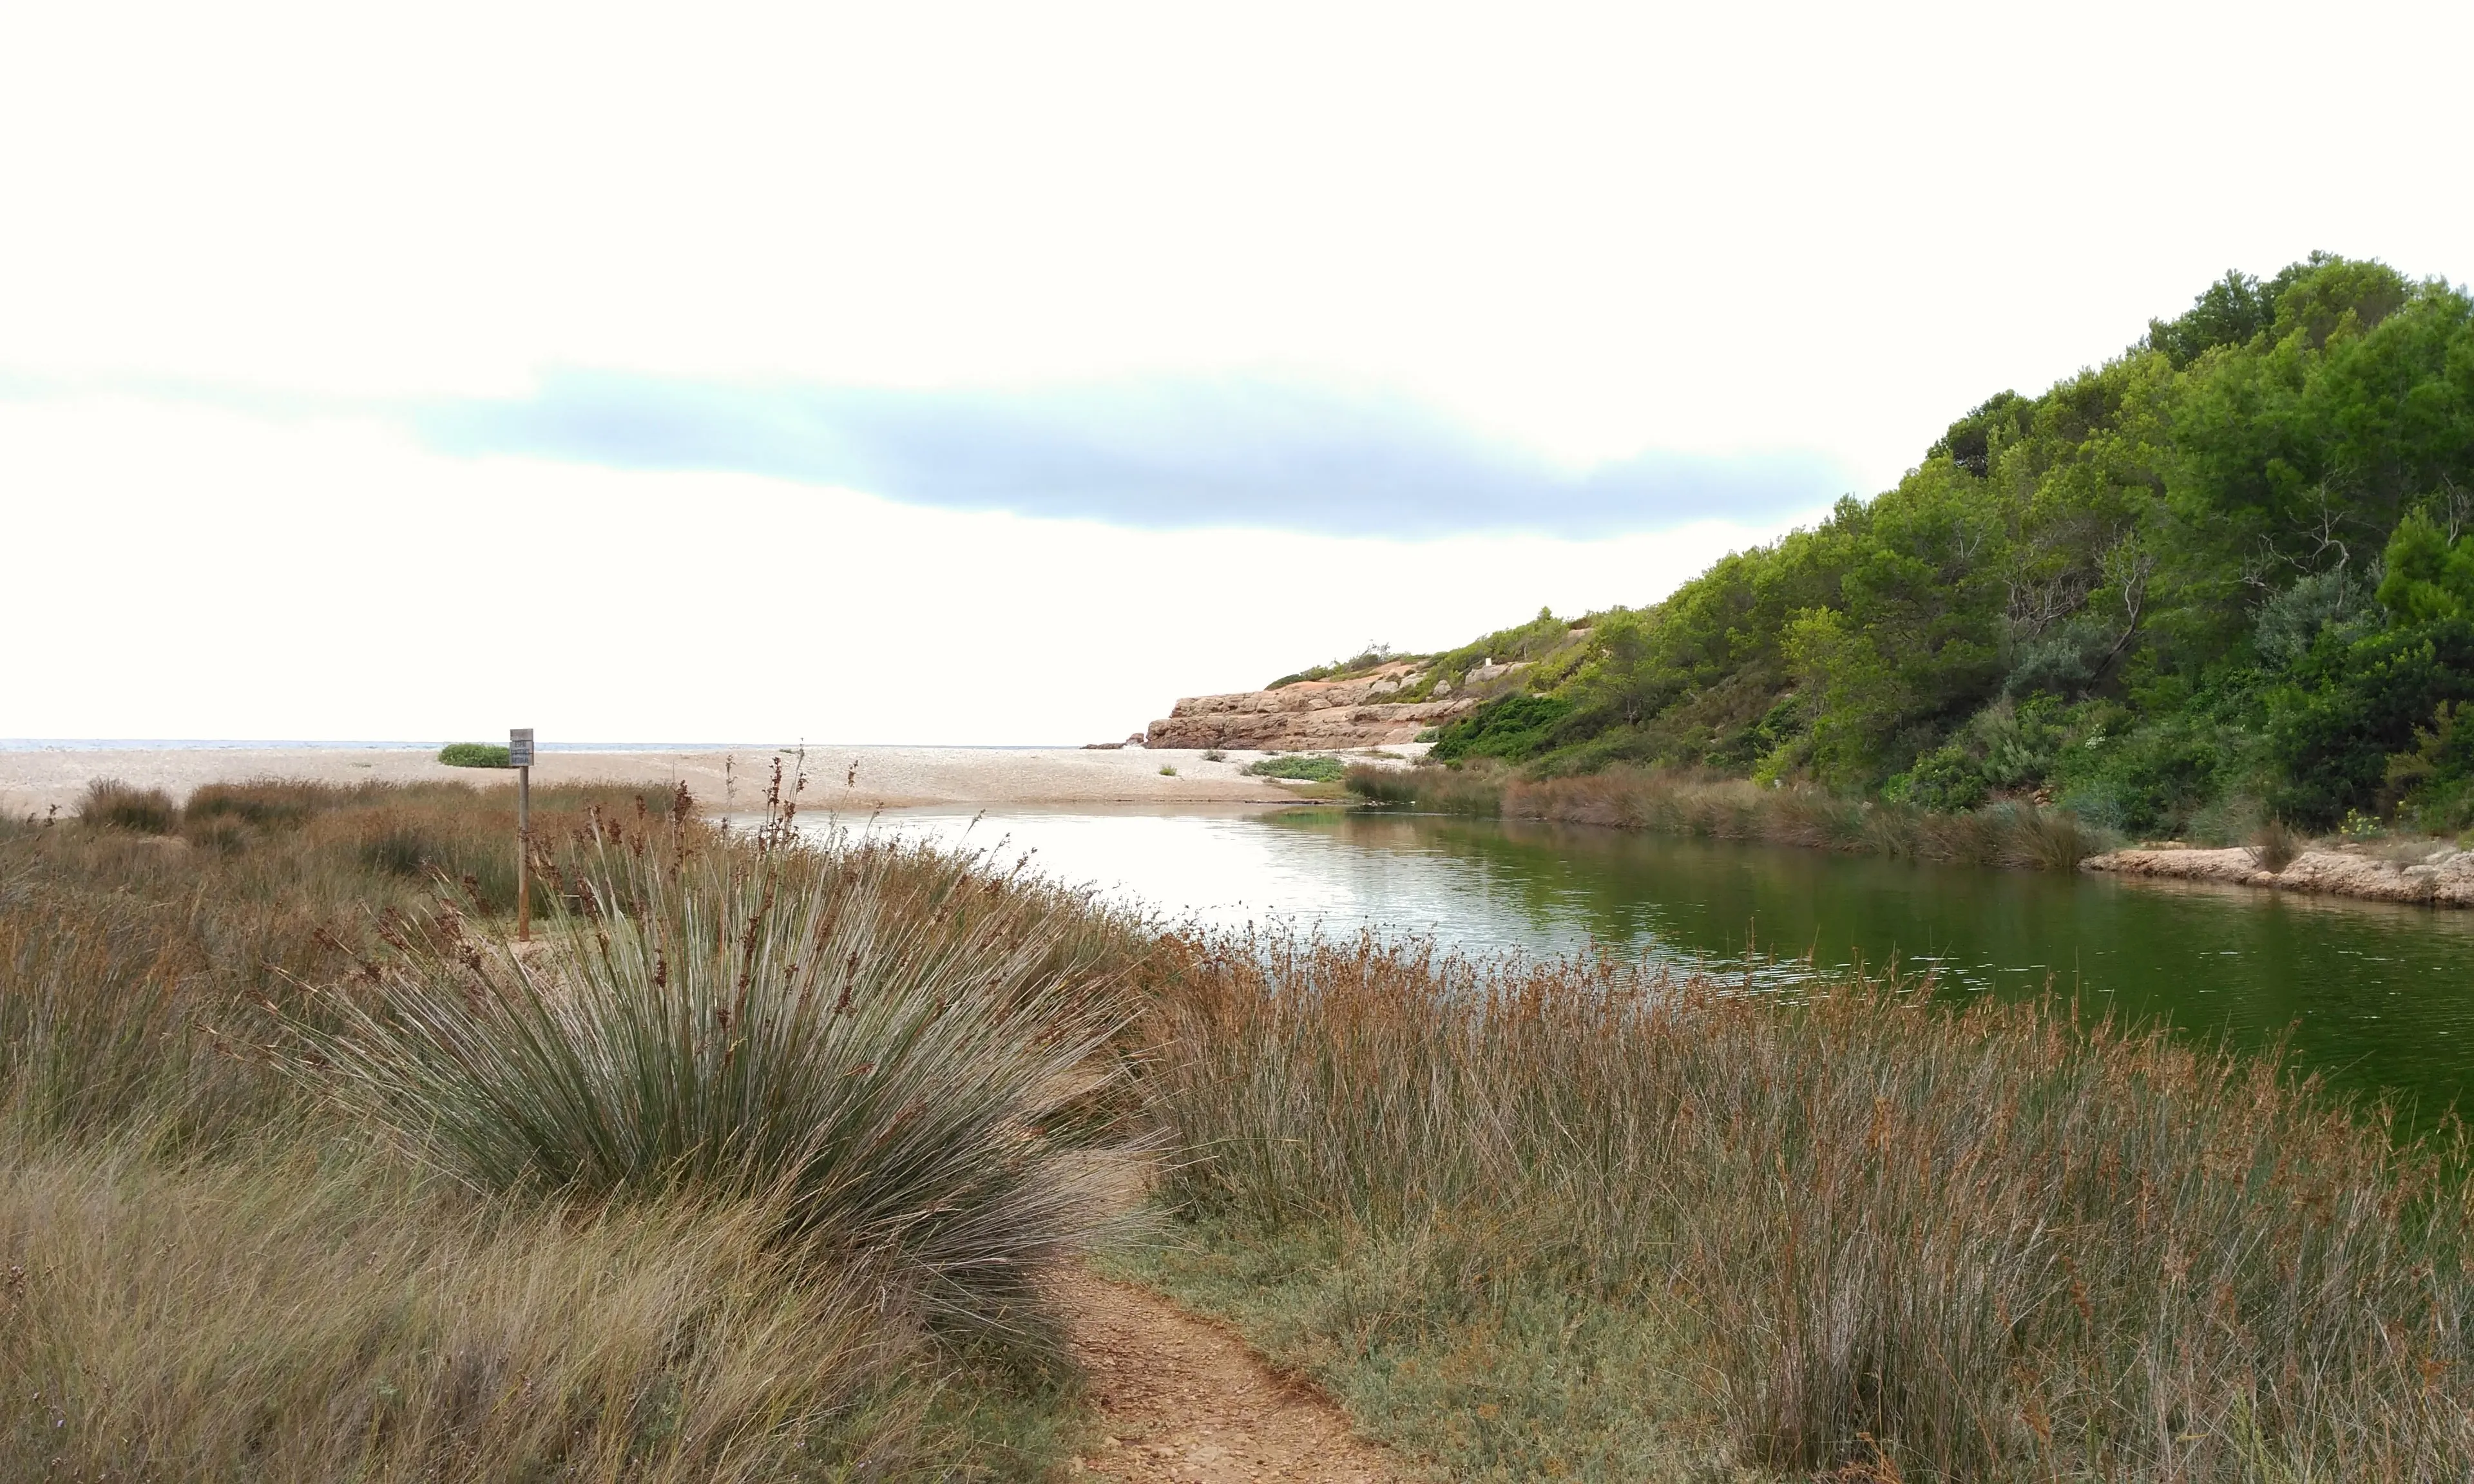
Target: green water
x,y
2377,998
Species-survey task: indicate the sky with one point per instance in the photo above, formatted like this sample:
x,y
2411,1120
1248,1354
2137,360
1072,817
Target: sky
x,y
998,373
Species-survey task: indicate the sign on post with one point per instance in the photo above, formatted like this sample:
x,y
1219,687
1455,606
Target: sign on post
x,y
519,757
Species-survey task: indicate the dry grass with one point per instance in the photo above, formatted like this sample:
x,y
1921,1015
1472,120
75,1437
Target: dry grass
x,y
110,803
2005,834
294,1318
1869,1232
212,1267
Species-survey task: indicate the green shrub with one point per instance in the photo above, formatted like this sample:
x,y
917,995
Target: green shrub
x,y
474,754
1515,727
1312,768
108,804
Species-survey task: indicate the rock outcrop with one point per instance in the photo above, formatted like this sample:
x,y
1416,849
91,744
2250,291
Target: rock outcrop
x,y
2443,878
1310,715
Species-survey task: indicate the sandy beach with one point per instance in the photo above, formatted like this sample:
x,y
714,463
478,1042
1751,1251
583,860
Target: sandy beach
x,y
34,778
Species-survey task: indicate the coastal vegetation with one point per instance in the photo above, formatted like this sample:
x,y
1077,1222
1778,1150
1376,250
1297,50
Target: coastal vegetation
x,y
750,1166
1585,1220
1305,767
474,754
2225,580
742,1173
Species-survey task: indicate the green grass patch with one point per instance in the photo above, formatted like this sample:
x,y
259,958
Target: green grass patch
x,y
474,754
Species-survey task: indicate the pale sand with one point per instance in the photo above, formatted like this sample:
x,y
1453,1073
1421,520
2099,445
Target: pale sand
x,y
33,780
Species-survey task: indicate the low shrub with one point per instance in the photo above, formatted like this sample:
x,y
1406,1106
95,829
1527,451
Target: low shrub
x,y
474,754
1306,767
2007,833
108,804
1519,726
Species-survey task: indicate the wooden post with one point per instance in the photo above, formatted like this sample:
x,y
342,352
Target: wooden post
x,y
519,752
524,854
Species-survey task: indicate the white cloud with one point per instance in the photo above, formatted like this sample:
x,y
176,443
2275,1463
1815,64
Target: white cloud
x,y
199,573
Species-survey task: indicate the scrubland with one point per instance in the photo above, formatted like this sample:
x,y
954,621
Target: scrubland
x,y
750,1166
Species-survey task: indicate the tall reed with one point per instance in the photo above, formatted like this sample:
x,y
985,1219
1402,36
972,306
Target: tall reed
x,y
1989,1244
1681,802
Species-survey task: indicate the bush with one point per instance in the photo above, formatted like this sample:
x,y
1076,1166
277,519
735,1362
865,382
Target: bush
x,y
2359,703
1311,768
882,1043
2275,847
110,803
1515,728
474,754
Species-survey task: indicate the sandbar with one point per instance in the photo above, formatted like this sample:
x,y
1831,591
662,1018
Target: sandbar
x,y
36,779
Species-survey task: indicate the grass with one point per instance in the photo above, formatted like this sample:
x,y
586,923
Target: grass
x,y
292,1316
474,754
1577,1220
279,1201
2007,834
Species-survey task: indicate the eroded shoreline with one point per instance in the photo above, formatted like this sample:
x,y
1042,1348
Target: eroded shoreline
x,y
2443,875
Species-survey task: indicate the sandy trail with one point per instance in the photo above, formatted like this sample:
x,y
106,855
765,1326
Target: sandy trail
x,y
1180,1400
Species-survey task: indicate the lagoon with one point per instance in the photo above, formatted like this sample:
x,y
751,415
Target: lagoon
x,y
2378,998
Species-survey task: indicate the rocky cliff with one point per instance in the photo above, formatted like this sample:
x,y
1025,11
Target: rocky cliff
x,y
1311,715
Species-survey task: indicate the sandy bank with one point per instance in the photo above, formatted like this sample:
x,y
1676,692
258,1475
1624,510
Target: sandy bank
x,y
2442,876
36,779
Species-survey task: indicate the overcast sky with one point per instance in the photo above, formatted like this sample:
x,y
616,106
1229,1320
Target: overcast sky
x,y
998,373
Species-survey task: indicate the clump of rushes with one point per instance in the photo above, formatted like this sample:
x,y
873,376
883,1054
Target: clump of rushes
x,y
108,804
1985,1244
886,1046
474,754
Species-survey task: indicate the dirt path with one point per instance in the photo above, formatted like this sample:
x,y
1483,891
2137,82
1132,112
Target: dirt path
x,y
1180,1400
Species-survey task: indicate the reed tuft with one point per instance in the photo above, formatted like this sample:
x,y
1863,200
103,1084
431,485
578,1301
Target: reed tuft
x,y
885,1044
